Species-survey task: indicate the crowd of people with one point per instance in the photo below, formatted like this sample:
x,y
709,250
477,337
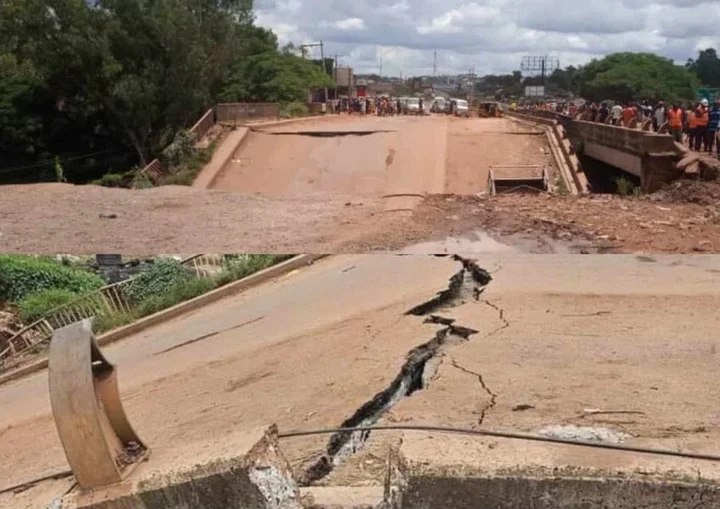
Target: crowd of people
x,y
695,125
381,106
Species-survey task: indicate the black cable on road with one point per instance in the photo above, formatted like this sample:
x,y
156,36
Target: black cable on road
x,y
443,429
29,484
510,435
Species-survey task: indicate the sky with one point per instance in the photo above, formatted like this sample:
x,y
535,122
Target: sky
x,y
490,36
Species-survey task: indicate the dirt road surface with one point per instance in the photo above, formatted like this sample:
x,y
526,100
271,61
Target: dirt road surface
x,y
353,185
624,343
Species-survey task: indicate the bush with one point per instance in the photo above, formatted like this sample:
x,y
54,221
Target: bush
x,y
625,187
36,305
295,109
179,293
159,279
109,321
189,168
141,181
21,276
180,148
240,266
111,180
181,178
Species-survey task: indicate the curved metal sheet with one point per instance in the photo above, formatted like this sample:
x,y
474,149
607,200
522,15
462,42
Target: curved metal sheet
x,y
97,437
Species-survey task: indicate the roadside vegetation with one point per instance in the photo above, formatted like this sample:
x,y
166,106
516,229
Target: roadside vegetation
x,y
96,88
618,77
626,188
35,286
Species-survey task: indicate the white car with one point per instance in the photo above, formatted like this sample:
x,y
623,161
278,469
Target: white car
x,y
438,105
461,108
412,106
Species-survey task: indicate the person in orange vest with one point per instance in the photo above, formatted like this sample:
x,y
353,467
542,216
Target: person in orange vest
x,y
702,117
692,127
628,114
675,122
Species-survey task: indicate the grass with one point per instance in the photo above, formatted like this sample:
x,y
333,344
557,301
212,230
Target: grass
x,y
36,305
237,268
189,168
626,188
560,187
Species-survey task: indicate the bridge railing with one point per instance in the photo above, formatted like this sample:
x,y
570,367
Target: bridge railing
x,y
203,126
110,299
225,112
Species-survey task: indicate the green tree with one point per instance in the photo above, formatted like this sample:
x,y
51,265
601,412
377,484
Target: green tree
x,y
565,79
636,76
707,67
273,76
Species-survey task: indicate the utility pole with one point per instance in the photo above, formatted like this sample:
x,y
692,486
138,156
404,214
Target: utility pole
x,y
381,67
471,94
324,64
335,74
303,48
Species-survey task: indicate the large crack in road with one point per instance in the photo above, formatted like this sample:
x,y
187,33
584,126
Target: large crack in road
x,y
470,280
322,134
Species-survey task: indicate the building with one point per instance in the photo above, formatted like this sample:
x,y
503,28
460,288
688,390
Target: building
x,y
344,81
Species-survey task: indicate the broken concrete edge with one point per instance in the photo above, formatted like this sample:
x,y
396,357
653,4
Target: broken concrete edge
x,y
573,176
262,478
285,121
259,478
179,309
564,170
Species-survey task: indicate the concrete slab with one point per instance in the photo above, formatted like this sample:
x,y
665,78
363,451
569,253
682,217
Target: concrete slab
x,y
624,343
257,476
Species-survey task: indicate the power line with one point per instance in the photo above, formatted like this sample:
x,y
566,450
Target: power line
x,y
52,161
505,434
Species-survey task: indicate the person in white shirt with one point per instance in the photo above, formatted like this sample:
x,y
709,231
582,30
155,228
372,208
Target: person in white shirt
x,y
617,112
660,115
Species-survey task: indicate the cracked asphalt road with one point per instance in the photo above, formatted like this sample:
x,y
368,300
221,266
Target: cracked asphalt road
x,y
631,338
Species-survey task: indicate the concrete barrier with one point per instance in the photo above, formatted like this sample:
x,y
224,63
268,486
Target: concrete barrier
x,y
556,492
649,156
562,151
177,310
256,477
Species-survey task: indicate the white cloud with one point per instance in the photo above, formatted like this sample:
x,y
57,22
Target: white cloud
x,y
491,35
350,24
457,20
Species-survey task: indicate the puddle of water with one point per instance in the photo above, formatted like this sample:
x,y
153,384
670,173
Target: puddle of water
x,y
476,243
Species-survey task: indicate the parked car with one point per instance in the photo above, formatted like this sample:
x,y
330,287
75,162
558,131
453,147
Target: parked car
x,y
438,105
412,106
461,108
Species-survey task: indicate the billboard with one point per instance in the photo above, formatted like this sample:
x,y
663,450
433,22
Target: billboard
x,y
711,94
535,91
344,77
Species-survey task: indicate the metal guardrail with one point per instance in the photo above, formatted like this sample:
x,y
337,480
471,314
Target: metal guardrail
x,y
110,299
155,170
203,126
